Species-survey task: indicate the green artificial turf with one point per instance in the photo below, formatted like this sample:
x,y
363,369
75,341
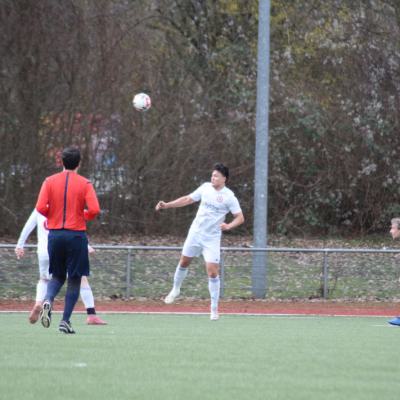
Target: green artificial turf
x,y
172,357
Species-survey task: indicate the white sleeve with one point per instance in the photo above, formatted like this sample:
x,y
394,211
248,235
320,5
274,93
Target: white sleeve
x,y
30,225
196,195
234,206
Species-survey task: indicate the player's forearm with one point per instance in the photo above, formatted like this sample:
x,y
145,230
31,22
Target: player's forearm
x,y
91,214
181,202
26,231
92,211
238,220
93,206
29,226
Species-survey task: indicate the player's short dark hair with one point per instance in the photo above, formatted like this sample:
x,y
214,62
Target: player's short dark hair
x,y
396,221
71,157
224,170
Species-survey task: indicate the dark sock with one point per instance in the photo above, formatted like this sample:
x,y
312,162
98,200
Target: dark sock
x,y
71,297
91,311
53,287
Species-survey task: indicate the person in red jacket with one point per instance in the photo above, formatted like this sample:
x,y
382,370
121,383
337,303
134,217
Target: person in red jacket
x,y
67,200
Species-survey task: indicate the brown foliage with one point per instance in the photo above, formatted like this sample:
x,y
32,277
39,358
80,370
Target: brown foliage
x,y
69,70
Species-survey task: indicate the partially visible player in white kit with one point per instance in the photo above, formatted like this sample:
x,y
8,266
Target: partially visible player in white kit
x,y
204,236
37,220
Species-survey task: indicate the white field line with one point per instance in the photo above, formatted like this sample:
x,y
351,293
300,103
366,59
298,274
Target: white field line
x,y
221,313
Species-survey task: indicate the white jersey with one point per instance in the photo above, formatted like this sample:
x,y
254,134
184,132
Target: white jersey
x,y
214,205
36,220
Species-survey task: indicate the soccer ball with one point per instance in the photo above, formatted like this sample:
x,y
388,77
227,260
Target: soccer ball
x,y
141,102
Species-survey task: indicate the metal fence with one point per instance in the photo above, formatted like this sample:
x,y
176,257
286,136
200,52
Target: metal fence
x,y
292,273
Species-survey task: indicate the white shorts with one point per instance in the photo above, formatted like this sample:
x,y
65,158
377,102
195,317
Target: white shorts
x,y
44,267
196,244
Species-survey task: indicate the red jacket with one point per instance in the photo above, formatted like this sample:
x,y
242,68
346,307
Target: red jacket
x,y
62,199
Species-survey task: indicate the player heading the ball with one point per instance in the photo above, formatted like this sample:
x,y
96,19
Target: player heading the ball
x,y
204,236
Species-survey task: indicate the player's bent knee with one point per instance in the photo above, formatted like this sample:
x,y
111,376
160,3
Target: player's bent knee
x,y
185,261
212,270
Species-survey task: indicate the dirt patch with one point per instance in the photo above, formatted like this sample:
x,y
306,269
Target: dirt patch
x,y
319,307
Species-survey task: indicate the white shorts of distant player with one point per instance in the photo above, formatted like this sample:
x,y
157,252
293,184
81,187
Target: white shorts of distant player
x,y
44,267
196,244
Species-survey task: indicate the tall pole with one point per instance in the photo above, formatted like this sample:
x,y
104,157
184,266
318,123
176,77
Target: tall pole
x,y
259,270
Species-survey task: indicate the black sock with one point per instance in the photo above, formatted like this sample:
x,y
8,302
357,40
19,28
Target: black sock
x,y
53,287
71,297
91,311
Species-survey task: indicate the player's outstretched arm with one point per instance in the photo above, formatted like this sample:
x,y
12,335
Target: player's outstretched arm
x,y
29,226
180,202
238,219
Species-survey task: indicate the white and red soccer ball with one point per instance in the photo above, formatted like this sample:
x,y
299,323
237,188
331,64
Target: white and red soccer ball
x,y
141,102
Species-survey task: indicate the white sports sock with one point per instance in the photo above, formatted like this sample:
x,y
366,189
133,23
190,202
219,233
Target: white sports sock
x,y
214,285
41,290
87,296
180,275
